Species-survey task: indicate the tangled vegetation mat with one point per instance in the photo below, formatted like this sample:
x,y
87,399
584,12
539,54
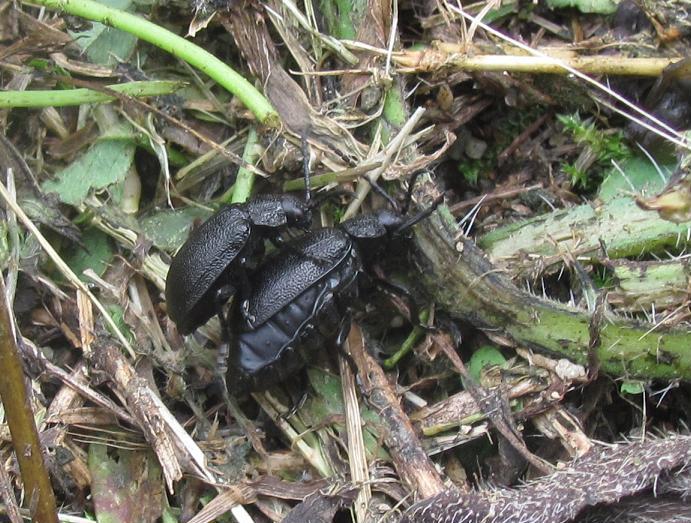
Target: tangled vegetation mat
x,y
520,354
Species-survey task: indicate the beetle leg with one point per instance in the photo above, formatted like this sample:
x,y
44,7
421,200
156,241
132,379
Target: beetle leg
x,y
223,294
221,297
222,361
306,167
341,336
420,216
296,405
245,291
409,192
381,192
343,329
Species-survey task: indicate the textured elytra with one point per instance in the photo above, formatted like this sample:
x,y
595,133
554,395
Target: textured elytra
x,y
277,344
270,210
201,262
307,260
222,250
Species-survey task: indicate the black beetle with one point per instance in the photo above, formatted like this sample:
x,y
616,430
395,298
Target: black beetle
x,y
214,262
301,296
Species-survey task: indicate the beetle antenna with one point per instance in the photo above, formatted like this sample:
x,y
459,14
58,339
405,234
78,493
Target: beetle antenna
x,y
306,166
420,216
381,192
409,194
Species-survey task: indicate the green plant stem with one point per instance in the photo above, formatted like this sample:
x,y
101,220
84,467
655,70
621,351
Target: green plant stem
x,y
467,286
175,45
322,180
20,418
338,15
623,228
242,188
640,286
408,344
55,98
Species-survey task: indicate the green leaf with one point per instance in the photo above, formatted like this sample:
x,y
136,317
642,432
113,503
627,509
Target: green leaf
x,y
106,45
632,387
105,163
126,485
327,403
4,244
603,7
168,228
96,254
485,356
634,175
117,313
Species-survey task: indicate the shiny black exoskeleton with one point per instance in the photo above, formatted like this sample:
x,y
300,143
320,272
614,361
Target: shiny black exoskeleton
x,y
301,296
214,262
295,307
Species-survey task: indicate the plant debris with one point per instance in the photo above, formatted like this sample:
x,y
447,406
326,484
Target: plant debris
x,y
521,355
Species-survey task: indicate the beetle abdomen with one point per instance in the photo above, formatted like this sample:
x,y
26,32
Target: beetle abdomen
x,y
299,266
276,348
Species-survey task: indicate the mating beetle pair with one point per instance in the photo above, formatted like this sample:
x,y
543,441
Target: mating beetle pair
x,y
216,260
298,299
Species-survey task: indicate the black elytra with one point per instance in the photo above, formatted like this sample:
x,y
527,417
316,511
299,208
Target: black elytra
x,y
301,296
295,307
214,262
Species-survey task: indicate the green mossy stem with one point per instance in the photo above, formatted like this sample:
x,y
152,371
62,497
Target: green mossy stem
x,y
464,283
619,224
176,46
640,286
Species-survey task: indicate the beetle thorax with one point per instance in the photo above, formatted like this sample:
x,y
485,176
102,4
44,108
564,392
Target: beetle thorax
x,y
296,211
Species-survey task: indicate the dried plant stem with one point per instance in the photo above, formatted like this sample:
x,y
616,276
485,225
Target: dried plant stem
x,y
412,463
63,267
453,56
20,418
386,157
175,45
7,496
659,127
322,180
604,475
311,455
174,448
357,458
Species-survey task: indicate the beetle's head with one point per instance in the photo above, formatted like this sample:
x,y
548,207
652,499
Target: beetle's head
x,y
297,212
390,220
